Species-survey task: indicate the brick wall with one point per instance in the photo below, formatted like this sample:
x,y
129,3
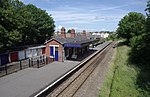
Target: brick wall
x,y
60,50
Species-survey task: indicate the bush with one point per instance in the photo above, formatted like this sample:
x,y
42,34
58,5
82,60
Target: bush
x,y
140,52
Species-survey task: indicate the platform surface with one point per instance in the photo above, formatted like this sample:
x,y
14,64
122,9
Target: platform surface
x,y
26,82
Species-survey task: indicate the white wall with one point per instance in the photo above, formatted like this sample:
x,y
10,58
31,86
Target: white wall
x,y
28,53
34,52
21,55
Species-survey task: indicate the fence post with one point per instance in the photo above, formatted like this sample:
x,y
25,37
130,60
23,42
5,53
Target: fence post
x,y
29,63
43,58
6,69
38,63
20,65
46,60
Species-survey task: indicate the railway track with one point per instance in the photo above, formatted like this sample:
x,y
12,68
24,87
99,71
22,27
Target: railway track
x,y
70,86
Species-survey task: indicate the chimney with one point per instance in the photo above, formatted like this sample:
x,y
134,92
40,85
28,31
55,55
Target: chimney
x,y
57,33
63,33
84,33
73,33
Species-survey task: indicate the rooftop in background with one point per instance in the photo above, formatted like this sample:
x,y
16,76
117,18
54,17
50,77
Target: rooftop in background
x,y
71,38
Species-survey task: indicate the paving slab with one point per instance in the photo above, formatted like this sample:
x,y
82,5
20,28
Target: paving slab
x,y
28,81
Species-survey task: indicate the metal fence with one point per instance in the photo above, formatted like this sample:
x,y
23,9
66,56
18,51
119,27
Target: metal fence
x,y
34,62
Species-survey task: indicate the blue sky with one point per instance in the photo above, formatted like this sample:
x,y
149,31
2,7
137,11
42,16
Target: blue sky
x,y
89,15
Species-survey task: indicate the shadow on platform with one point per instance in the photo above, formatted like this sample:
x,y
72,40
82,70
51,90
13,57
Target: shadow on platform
x,y
84,56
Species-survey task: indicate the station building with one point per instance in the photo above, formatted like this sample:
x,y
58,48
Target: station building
x,y
64,46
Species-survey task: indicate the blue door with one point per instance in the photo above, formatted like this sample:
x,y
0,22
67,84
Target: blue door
x,y
4,59
51,51
56,53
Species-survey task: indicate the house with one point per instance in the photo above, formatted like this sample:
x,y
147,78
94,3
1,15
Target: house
x,y
99,35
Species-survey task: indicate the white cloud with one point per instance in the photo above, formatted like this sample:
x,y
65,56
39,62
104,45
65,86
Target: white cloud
x,y
59,27
104,29
76,16
91,15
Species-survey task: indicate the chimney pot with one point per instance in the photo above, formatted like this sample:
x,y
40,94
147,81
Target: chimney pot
x,y
84,33
63,32
73,33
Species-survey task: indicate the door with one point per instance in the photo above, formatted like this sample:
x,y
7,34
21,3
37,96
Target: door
x,y
14,56
51,51
56,53
4,59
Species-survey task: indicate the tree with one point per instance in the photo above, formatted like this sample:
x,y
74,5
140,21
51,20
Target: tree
x,y
9,24
141,44
39,25
148,16
69,31
22,24
131,25
140,55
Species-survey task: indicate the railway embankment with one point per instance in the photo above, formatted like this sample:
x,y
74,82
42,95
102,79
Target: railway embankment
x,y
122,78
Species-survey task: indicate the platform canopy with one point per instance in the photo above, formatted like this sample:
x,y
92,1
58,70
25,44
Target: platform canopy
x,y
72,45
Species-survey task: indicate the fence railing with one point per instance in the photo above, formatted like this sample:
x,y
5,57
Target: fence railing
x,y
35,62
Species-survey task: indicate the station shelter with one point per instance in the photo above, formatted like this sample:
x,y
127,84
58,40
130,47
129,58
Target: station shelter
x,y
22,54
62,48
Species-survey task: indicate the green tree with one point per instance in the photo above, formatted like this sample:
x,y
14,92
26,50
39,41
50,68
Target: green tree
x,y
69,31
140,55
141,43
9,22
38,25
131,25
22,24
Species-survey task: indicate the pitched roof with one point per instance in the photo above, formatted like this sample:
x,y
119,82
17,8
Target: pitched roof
x,y
75,40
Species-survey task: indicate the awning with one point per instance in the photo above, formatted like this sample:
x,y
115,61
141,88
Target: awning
x,y
72,45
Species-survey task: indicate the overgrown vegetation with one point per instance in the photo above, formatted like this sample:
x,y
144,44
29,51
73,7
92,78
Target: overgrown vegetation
x,y
112,36
132,77
122,77
124,82
105,90
22,24
136,28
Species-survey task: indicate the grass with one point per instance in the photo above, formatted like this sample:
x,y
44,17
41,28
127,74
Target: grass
x,y
105,91
121,77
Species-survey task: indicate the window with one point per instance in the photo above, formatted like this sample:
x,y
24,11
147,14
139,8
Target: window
x,y
56,48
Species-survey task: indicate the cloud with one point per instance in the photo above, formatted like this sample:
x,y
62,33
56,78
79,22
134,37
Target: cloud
x,y
105,29
75,15
115,7
90,18
140,2
59,27
88,14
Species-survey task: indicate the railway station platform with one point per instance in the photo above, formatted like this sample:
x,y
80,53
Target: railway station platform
x,y
29,81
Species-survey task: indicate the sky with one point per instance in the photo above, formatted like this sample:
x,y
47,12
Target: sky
x,y
89,15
